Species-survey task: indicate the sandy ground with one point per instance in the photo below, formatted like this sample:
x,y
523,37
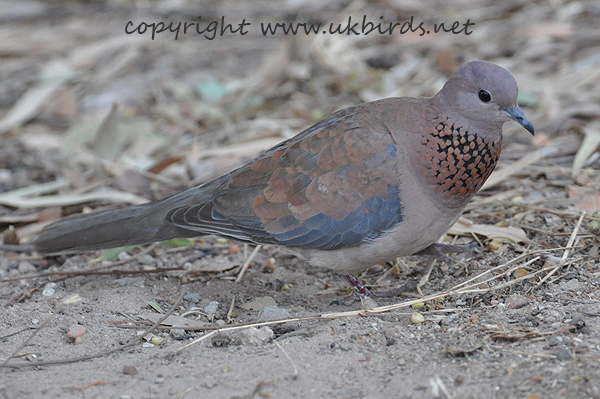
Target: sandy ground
x,y
480,349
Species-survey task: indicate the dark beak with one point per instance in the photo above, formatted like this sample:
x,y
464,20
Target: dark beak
x,y
517,114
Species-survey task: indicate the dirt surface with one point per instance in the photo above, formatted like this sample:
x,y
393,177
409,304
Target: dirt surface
x,y
517,319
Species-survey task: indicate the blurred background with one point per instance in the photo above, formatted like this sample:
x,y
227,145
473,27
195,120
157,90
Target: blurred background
x,y
91,116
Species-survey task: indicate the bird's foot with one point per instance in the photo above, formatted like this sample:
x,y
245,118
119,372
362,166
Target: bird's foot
x,y
360,291
363,292
358,285
433,252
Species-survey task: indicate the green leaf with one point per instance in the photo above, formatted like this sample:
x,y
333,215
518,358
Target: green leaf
x,y
178,243
111,254
155,306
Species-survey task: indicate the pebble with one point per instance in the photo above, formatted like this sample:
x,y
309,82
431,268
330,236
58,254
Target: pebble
x,y
563,354
211,308
129,369
255,336
554,341
276,313
75,331
49,289
135,281
146,259
26,267
516,301
369,303
177,333
571,285
209,381
194,297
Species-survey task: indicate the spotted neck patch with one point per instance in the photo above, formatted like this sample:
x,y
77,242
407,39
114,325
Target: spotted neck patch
x,y
456,162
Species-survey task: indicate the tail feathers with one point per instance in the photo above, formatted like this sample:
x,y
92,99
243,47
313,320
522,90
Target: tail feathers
x,y
131,225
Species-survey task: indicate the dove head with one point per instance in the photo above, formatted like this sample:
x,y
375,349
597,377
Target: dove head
x,y
484,94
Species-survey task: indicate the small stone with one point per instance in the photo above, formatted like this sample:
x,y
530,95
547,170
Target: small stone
x,y
211,308
563,354
255,336
554,341
194,297
233,249
258,303
579,324
75,331
273,313
594,225
209,381
389,337
146,259
10,236
368,303
177,333
276,313
129,369
135,281
573,285
516,301
124,281
26,267
49,289
221,340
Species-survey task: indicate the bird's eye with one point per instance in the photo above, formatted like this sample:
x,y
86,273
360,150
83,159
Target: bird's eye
x,y
484,96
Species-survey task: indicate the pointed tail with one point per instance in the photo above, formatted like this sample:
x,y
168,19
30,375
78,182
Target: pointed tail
x,y
132,225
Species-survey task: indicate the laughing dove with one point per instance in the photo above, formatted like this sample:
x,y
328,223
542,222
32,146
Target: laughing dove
x,y
365,185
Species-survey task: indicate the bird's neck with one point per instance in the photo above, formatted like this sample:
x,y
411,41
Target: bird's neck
x,y
455,160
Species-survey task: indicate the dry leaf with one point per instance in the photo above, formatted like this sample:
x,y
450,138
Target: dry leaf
x,y
175,321
588,198
107,143
589,145
259,303
116,197
509,233
36,189
500,175
217,267
51,78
